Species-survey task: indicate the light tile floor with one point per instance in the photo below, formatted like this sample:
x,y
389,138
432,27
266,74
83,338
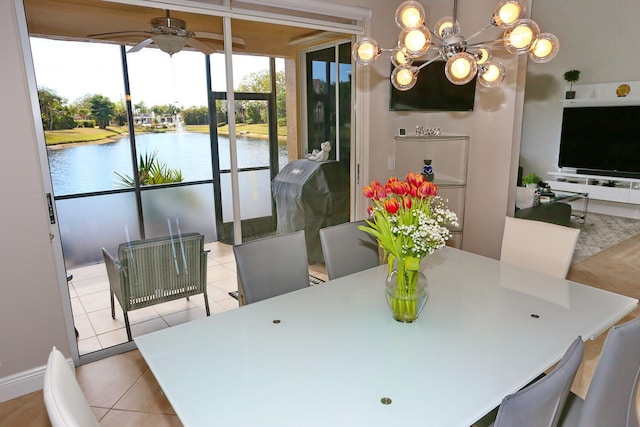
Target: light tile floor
x,y
122,391
90,302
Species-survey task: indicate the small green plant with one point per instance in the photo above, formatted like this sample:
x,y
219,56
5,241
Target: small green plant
x,y
151,171
572,76
532,178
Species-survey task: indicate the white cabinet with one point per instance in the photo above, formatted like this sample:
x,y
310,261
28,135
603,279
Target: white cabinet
x,y
603,188
448,155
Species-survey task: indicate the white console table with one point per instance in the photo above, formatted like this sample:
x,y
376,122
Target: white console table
x,y
620,190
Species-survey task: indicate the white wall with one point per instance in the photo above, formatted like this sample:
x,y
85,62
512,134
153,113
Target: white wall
x,y
31,315
599,38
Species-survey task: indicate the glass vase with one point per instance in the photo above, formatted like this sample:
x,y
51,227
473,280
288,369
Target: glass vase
x,y
407,292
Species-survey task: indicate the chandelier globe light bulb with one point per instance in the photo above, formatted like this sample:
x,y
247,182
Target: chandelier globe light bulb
x,y
507,12
483,56
404,77
366,51
415,41
491,74
410,14
400,57
545,48
520,35
461,68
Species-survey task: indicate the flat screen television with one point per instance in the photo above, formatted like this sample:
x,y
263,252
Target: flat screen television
x,y
601,140
433,92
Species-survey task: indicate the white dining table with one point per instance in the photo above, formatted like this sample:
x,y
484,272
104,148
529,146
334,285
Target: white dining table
x,y
332,355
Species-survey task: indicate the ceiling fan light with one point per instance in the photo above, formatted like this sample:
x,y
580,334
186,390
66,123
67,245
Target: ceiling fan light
x,y
445,26
400,57
410,14
507,12
483,56
461,68
414,41
366,51
491,74
169,43
520,35
545,48
404,77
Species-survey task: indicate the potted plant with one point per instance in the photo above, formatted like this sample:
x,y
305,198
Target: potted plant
x,y
531,180
571,76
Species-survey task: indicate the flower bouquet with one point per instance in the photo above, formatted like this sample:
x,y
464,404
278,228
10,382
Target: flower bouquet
x,y
409,220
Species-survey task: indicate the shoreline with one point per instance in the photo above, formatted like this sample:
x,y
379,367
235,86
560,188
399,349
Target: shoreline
x,y
62,145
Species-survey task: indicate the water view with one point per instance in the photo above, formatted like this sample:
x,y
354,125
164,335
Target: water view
x,y
91,167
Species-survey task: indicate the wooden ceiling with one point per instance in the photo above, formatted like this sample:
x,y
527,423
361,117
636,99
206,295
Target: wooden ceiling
x,y
76,19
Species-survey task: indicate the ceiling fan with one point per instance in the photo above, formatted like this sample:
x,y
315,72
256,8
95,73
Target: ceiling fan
x,y
171,35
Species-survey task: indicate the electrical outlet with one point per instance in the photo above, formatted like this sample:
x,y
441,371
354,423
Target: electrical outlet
x,y
391,163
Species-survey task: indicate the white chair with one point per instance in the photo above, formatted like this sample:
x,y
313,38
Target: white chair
x,y
537,245
272,266
347,249
63,397
612,396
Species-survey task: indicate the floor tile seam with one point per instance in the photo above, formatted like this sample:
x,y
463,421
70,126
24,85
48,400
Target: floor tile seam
x,y
133,384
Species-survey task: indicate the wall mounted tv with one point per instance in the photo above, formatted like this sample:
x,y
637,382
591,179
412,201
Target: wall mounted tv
x,y
433,92
601,140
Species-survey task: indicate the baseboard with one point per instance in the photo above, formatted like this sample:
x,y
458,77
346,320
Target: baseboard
x,y
24,382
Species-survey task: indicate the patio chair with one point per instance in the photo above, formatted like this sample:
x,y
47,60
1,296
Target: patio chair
x,y
65,402
347,249
153,271
271,266
540,246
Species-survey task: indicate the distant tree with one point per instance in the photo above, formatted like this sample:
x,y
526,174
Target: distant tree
x,y
195,116
259,81
82,106
54,111
120,113
102,110
140,108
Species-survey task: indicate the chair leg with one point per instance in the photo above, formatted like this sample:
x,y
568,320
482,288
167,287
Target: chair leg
x,y
113,311
126,323
206,303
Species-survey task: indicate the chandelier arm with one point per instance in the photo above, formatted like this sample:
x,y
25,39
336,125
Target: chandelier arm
x,y
477,33
488,44
428,62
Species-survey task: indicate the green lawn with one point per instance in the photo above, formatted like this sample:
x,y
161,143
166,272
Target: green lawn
x,y
65,136
79,135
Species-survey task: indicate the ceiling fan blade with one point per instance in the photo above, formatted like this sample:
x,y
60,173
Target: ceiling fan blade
x,y
140,45
215,36
202,47
119,33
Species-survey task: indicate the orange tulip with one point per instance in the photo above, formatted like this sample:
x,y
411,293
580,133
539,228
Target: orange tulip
x,y
392,206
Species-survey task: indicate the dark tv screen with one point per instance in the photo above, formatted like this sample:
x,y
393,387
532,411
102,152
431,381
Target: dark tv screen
x,y
433,92
601,140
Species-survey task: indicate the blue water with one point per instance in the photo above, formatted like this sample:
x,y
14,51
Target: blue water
x,y
91,167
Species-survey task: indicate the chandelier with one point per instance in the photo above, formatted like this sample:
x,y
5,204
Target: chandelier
x,y
464,57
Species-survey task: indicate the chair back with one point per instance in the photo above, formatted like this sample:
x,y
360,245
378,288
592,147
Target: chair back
x,y
611,399
65,402
272,266
540,404
347,249
540,246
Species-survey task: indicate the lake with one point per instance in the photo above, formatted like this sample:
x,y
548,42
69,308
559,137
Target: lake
x,y
92,167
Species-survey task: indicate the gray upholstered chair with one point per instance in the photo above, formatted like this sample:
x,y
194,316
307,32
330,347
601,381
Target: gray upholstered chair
x,y
540,403
540,246
347,249
611,399
65,402
271,266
